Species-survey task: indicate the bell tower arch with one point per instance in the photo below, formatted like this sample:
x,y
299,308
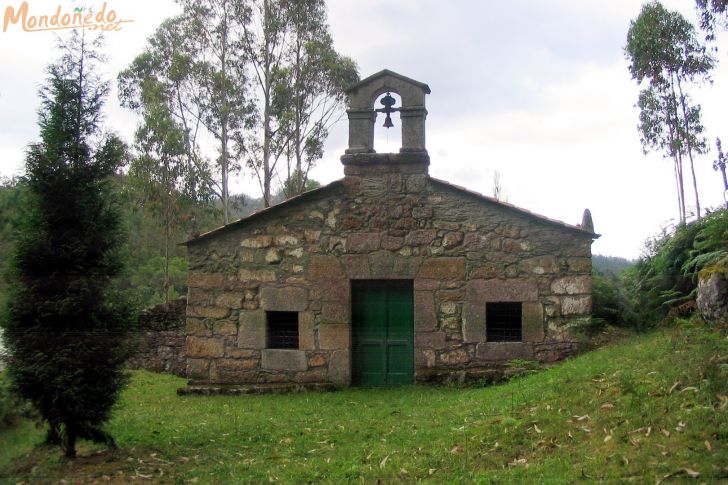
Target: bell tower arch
x,y
362,113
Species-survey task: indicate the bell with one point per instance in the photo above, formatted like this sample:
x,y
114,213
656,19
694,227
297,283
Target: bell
x,y
388,101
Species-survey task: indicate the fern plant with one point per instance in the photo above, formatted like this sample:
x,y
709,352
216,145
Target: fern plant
x,y
710,246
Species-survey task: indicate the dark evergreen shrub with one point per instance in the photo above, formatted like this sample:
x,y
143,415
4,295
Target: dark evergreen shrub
x,y
65,332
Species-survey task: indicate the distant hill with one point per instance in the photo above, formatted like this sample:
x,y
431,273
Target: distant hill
x,y
611,264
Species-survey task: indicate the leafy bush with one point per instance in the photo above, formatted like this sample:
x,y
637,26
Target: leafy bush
x,y
666,275
710,246
12,406
605,299
610,301
143,280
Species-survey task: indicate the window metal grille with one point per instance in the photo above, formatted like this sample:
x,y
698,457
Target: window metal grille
x,y
503,321
282,330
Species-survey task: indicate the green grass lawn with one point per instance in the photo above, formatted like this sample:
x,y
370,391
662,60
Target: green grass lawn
x,y
650,408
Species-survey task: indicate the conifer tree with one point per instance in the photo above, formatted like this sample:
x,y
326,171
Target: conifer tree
x,y
64,331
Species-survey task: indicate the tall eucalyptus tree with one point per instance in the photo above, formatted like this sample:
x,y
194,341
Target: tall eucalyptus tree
x,y
300,80
666,55
194,67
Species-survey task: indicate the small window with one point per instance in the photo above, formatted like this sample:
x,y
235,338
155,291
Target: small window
x,y
503,322
282,330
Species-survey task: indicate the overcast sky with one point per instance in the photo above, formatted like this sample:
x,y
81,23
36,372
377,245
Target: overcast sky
x,y
538,91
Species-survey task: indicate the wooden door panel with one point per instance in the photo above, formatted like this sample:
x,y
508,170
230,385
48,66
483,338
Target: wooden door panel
x,y
383,340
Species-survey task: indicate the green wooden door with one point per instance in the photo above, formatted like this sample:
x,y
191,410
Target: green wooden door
x,y
383,347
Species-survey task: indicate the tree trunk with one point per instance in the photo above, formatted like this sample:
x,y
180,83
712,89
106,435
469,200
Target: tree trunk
x,y
725,183
224,171
298,142
267,74
168,188
188,143
677,187
678,169
689,146
168,222
224,162
267,175
298,149
681,189
695,184
80,87
69,442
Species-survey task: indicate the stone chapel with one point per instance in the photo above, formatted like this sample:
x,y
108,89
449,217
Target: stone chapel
x,y
385,277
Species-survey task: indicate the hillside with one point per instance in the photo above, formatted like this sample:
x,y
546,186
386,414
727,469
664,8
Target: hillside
x,y
622,413
610,265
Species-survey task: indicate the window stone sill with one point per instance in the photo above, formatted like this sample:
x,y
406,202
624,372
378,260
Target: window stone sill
x,y
284,359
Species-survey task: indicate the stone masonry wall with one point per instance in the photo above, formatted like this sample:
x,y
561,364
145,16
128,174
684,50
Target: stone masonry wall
x,y
385,220
162,339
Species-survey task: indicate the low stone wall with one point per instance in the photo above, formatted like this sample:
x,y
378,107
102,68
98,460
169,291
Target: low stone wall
x,y
162,339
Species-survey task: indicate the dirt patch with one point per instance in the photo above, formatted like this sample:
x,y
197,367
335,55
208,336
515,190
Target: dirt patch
x,y
46,465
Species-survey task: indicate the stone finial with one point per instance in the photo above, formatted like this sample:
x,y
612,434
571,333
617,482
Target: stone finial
x,y
361,99
586,221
